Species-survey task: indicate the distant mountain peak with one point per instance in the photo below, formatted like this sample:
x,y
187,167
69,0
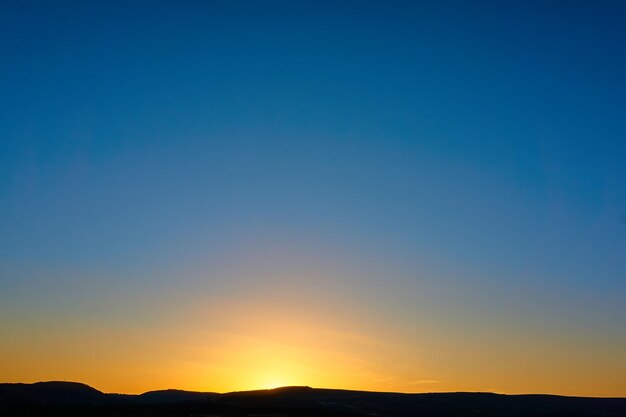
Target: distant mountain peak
x,y
66,385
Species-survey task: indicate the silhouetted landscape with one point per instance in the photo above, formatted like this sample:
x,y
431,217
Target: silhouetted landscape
x,y
76,399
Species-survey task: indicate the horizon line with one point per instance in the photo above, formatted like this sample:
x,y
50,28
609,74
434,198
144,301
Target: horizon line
x,y
313,388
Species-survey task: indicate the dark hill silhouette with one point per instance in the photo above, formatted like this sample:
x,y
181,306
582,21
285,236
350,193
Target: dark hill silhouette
x,y
174,396
70,399
51,392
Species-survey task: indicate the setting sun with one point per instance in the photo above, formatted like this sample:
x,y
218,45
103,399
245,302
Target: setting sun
x,y
273,381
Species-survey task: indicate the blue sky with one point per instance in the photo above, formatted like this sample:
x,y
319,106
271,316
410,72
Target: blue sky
x,y
484,141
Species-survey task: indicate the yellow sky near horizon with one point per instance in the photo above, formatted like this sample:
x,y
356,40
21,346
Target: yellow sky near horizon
x,y
317,323
260,343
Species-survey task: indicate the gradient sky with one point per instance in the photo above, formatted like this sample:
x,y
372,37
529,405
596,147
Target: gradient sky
x,y
407,196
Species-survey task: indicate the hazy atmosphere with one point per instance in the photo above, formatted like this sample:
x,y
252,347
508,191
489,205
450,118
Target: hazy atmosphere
x,y
390,196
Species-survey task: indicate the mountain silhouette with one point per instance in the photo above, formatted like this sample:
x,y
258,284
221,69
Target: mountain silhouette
x,y
69,399
174,396
53,392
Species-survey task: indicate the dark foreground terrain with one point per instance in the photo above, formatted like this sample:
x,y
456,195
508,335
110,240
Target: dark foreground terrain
x,y
68,399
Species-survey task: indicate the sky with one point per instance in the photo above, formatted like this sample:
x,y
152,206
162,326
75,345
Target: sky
x,y
376,195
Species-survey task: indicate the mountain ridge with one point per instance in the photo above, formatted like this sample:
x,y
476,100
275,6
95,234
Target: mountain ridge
x,y
64,398
286,388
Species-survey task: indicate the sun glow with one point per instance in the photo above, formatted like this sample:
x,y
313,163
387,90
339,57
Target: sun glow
x,y
274,381
278,374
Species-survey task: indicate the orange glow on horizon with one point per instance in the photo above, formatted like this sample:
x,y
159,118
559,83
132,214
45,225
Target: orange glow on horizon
x,y
256,339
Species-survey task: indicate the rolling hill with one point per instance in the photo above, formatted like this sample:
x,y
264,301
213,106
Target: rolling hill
x,y
69,399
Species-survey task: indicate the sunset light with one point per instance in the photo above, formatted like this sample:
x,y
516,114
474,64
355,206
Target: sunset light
x,y
199,199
